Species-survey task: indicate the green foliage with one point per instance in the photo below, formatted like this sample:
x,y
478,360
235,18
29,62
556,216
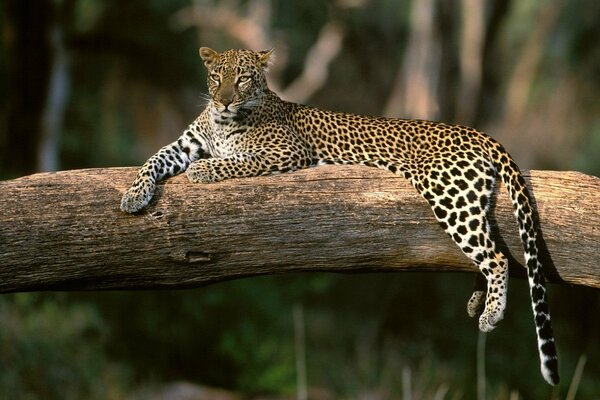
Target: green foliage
x,y
587,159
50,349
364,334
235,335
265,359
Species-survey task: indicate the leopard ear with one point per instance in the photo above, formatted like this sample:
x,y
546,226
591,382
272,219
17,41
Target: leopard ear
x,y
209,56
265,58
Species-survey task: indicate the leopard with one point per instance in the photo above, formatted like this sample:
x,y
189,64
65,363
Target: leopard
x,y
247,130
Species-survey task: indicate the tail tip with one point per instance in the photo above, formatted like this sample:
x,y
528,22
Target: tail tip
x,y
550,372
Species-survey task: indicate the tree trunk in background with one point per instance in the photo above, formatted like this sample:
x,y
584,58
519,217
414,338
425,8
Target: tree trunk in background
x,y
488,104
30,71
523,76
522,81
471,59
56,101
414,94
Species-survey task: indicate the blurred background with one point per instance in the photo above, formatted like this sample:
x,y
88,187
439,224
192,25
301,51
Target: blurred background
x,y
101,83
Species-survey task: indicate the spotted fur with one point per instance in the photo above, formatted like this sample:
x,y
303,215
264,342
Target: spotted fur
x,y
247,130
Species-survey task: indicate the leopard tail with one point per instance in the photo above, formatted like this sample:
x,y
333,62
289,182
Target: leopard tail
x,y
528,229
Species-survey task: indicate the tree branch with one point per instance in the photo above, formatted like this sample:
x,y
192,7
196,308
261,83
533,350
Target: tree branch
x,y
64,231
316,65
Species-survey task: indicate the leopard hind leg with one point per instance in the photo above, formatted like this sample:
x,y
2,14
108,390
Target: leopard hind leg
x,y
460,197
492,282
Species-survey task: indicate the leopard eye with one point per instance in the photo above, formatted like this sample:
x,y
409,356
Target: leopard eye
x,y
243,79
216,78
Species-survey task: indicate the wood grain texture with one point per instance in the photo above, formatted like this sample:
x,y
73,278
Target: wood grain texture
x,y
64,230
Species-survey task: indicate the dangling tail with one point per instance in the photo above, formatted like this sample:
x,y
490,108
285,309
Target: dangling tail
x,y
519,194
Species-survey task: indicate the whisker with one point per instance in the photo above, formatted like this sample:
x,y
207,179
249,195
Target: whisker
x,y
204,99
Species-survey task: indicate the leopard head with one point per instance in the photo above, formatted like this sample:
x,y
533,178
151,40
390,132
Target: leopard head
x,y
236,81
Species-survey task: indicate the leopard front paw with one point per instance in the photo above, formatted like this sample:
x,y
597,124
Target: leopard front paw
x,y
136,198
201,172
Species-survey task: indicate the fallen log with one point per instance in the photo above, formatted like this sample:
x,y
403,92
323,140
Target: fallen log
x,y
64,230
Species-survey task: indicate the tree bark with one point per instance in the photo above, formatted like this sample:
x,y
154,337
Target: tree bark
x,y
64,230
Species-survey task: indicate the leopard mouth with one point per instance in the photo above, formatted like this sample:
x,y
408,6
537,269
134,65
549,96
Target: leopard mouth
x,y
222,113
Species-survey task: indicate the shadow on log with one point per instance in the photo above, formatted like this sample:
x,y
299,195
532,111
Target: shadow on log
x,y
64,230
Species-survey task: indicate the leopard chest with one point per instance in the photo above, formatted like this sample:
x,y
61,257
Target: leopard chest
x,y
228,140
